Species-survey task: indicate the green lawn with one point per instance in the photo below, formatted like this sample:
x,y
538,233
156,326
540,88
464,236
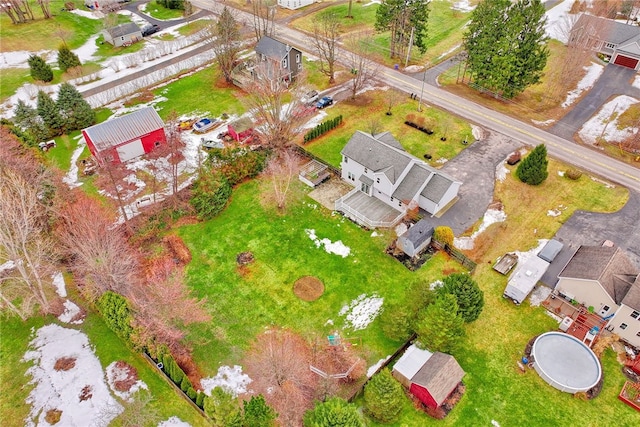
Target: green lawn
x,y
328,147
160,12
198,94
12,79
363,18
193,27
244,302
108,348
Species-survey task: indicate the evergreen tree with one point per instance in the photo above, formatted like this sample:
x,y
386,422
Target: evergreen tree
x,y
48,112
335,412
383,397
67,59
210,194
27,119
507,45
257,413
441,326
468,295
400,17
533,169
40,70
76,112
222,408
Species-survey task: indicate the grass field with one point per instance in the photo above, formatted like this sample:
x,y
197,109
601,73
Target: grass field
x,y
359,117
108,348
160,12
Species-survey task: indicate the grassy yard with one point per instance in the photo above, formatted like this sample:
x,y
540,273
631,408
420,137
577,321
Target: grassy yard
x,y
12,79
360,117
193,27
244,301
160,12
108,348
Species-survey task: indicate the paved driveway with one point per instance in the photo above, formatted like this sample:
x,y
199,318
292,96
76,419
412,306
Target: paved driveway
x,y
615,80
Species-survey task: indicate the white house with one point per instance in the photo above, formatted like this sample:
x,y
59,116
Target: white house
x,y
379,167
604,278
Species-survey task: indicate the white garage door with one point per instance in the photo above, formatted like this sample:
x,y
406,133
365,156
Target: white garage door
x,y
130,150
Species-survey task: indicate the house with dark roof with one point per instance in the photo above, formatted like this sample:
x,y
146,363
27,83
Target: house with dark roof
x,y
123,138
276,57
620,42
389,181
431,377
123,34
604,278
416,238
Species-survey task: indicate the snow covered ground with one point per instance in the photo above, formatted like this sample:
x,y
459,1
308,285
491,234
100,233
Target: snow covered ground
x,y
604,124
491,216
594,71
231,379
330,247
360,312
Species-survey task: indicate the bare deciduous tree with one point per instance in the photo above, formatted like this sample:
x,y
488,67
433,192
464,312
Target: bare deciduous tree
x,y
139,411
326,33
225,37
281,170
362,69
264,13
278,362
46,10
98,253
111,176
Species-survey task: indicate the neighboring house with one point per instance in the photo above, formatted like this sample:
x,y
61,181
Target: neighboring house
x,y
123,34
619,41
431,377
416,238
604,278
294,4
124,138
387,177
278,57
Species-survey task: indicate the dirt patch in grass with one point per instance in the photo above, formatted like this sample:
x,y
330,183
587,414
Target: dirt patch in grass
x,y
360,101
64,363
128,376
53,416
179,251
330,191
308,288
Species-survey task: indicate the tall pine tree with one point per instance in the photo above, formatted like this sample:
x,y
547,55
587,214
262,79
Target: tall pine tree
x,y
400,17
222,408
76,112
48,111
27,119
441,326
257,413
468,295
507,45
383,397
67,59
40,70
533,169
334,412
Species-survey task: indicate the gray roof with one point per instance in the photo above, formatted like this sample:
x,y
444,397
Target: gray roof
x,y
123,30
272,48
550,250
376,155
606,29
632,298
124,128
439,375
365,179
607,265
412,182
436,187
388,139
411,361
419,233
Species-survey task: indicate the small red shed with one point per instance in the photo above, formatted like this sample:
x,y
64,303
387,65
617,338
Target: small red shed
x,y
124,138
431,377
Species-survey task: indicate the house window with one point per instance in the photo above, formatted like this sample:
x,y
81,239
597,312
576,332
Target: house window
x,y
638,334
392,199
351,176
623,326
400,203
156,144
635,314
378,180
346,159
297,58
610,45
284,63
366,170
364,188
605,308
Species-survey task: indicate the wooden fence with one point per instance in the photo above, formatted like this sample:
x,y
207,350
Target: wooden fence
x,y
300,150
455,254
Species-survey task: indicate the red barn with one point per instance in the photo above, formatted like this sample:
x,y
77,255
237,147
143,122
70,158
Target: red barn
x,y
124,138
431,377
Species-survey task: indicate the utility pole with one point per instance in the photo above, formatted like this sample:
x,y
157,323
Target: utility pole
x,y
406,62
424,77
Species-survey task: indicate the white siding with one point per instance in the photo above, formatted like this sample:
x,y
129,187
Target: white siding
x,y
587,292
630,333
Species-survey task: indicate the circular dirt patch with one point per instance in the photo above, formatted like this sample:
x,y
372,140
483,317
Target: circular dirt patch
x,y
308,288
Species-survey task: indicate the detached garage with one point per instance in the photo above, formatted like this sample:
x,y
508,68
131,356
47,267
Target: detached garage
x,y
124,138
431,377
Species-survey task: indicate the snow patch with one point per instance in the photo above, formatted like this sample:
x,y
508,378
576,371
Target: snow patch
x,y
435,285
374,368
375,234
494,423
414,68
174,422
491,216
462,6
232,380
63,390
330,247
58,283
594,71
70,311
604,124
71,177
539,294
372,2
553,316
361,311
636,82
543,123
502,171
85,13
114,374
558,21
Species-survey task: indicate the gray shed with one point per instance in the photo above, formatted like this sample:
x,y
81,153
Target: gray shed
x,y
416,238
123,34
551,250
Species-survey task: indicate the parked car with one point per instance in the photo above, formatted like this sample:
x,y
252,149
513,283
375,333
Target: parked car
x,y
310,97
324,102
210,143
150,29
206,124
46,146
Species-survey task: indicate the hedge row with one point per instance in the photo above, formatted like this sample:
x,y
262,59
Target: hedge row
x,y
177,375
322,128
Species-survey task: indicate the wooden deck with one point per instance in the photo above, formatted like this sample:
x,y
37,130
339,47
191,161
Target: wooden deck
x,y
583,321
367,210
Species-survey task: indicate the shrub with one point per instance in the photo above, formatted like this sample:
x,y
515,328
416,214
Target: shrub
x,y
322,128
441,327
200,399
185,384
39,69
573,174
533,169
383,397
444,235
67,59
237,164
468,295
210,194
333,412
192,394
116,313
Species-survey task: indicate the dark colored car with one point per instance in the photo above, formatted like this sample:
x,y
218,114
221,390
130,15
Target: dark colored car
x,y
150,29
324,102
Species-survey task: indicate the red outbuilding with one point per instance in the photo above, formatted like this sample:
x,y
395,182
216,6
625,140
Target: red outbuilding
x,y
124,138
431,377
